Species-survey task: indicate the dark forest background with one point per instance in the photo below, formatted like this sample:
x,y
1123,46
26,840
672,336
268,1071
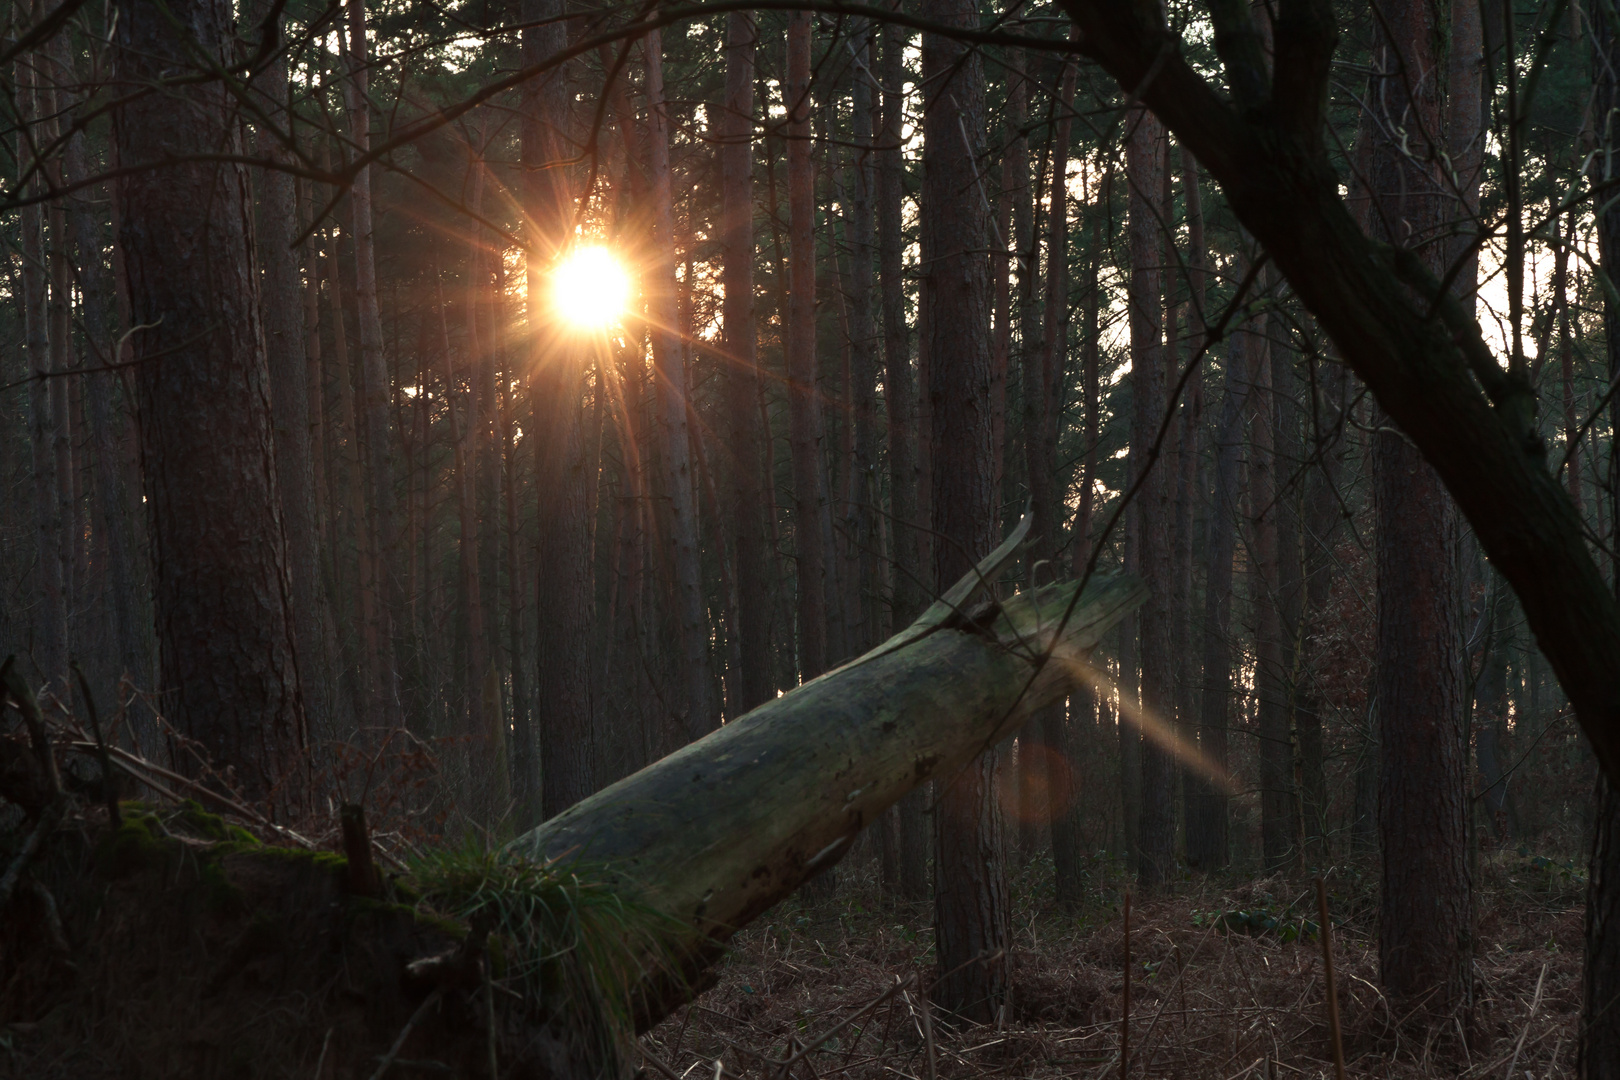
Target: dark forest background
x,y
303,468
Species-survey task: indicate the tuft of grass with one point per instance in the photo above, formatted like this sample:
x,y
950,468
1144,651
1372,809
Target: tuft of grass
x,y
575,948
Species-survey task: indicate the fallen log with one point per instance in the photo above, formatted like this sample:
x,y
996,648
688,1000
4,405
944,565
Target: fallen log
x,y
724,828
216,954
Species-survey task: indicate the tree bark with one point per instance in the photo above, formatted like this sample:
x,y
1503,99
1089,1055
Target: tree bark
x,y
1189,461
52,651
970,888
284,344
1599,1040
674,446
1426,918
804,407
1062,766
744,430
384,711
863,344
1207,814
900,410
563,591
1145,162
222,588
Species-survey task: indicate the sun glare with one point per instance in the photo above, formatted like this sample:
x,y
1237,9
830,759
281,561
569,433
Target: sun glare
x,y
590,288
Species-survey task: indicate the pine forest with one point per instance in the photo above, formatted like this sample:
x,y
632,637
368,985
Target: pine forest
x,y
878,539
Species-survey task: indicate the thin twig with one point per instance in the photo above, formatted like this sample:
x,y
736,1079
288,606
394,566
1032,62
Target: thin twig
x,y
405,1032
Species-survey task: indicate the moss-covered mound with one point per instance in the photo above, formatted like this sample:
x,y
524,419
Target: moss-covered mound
x,y
182,946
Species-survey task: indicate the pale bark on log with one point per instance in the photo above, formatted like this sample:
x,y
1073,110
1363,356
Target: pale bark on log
x,y
719,831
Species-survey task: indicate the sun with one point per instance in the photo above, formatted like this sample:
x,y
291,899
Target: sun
x,y
590,288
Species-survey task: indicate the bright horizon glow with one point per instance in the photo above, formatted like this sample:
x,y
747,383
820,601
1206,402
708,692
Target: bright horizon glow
x,y
590,288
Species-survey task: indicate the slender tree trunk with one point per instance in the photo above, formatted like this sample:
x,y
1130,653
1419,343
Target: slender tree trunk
x,y
1270,677
222,589
900,408
284,343
1035,391
970,888
804,406
131,618
744,431
564,593
863,346
52,630
674,435
1060,736
1188,674
1145,161
1207,814
379,455
1426,921
355,512
1599,1054
1286,458
1321,526
471,613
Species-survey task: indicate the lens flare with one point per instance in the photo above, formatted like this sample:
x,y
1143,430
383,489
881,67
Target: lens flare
x,y
590,288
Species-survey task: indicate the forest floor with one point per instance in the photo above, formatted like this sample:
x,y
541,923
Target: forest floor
x,y
1227,982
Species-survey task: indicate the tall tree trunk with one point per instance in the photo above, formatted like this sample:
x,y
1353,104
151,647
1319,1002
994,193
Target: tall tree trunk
x,y
1426,921
862,243
131,618
1145,162
970,888
563,588
744,430
1286,458
900,409
1063,745
1035,378
222,589
470,621
52,630
1270,677
1189,462
1207,815
354,511
804,408
1599,1054
674,445
379,452
284,344
1320,531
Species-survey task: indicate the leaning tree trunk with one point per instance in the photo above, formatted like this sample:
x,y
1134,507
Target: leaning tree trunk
x,y
719,831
